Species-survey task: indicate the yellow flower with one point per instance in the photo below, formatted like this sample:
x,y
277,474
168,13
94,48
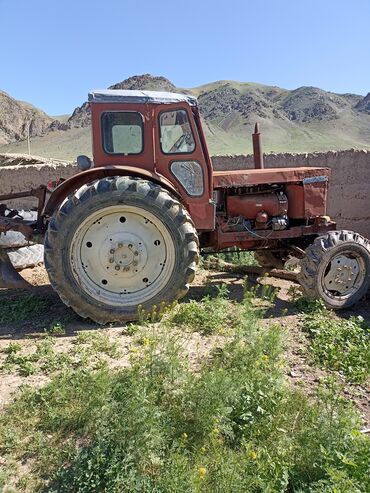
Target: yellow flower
x,y
184,436
146,341
202,449
252,455
215,431
264,357
202,471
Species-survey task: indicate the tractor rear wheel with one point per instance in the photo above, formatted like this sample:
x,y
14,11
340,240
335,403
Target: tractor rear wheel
x,y
336,268
117,244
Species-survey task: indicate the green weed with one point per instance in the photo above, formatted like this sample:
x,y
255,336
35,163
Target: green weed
x,y
89,350
211,315
156,313
236,256
338,344
56,329
232,256
233,426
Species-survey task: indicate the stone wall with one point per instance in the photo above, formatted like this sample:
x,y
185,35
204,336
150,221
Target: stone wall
x,y
349,191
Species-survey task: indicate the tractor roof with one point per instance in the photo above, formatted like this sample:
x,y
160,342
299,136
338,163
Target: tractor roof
x,y
127,96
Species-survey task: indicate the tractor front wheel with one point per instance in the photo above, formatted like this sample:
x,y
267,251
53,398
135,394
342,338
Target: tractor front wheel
x,y
336,268
117,244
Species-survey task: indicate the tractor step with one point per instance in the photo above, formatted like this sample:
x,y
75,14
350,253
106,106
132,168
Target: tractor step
x,y
9,277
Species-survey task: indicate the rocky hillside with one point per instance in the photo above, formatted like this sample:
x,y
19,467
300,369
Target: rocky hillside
x,y
303,119
16,116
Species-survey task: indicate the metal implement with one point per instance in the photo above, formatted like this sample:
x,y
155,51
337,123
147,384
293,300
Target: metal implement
x,y
10,220
9,277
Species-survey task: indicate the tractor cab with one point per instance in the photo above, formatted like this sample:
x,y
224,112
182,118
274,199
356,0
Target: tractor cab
x,y
158,132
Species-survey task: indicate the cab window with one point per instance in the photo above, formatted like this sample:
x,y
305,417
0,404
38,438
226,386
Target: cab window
x,y
175,132
122,132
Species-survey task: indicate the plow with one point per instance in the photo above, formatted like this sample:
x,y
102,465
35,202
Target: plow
x,y
126,232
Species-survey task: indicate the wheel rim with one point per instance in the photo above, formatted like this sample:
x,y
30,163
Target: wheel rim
x,y
122,255
343,275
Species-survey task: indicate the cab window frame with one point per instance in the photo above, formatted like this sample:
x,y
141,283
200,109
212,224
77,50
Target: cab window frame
x,y
142,122
187,153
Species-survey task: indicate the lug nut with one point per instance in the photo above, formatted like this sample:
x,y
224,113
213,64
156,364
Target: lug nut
x,y
136,254
111,250
111,260
117,267
126,269
120,245
130,246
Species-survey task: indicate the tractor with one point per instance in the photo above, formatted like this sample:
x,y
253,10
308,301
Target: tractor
x,y
128,229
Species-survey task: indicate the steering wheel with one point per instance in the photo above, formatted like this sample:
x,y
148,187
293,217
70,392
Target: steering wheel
x,y
186,137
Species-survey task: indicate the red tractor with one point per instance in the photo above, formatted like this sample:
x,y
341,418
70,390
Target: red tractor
x,y
128,229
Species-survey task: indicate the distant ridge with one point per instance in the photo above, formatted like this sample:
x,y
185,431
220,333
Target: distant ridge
x,y
301,120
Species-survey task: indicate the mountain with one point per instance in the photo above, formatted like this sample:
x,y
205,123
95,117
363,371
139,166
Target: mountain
x,y
81,115
17,116
300,120
364,104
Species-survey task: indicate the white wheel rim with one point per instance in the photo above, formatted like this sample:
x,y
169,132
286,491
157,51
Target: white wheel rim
x,y
343,275
122,255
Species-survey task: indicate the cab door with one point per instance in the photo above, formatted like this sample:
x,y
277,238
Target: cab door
x,y
180,158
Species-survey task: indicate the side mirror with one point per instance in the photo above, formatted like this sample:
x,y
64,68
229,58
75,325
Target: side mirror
x,y
84,163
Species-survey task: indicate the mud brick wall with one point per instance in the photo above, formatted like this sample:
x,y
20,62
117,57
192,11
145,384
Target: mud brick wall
x,y
19,173
349,191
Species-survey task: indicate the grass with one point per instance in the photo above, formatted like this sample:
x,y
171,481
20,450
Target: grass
x,y
338,344
231,256
211,315
25,306
90,350
235,256
233,425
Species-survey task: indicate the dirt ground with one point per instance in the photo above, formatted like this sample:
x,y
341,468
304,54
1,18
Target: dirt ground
x,y
299,371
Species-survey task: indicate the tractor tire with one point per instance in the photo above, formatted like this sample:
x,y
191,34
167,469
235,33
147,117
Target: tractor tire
x,y
269,259
336,268
118,244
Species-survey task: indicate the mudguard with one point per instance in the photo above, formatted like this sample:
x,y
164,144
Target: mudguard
x,y
75,182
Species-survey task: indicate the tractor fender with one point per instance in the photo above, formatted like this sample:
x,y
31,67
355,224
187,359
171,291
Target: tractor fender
x,y
75,182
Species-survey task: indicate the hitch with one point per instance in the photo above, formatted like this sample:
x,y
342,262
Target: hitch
x,y
9,277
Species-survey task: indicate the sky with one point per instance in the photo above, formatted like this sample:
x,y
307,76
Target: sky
x,y
53,52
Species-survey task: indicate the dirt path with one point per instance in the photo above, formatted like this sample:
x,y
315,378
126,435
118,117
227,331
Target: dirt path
x,y
47,311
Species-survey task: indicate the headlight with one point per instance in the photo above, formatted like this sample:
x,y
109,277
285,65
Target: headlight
x,y
190,175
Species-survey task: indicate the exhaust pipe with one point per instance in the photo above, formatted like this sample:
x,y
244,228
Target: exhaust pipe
x,y
257,148
9,277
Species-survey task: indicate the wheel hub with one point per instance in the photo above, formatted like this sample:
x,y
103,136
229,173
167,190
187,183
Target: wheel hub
x,y
123,255
342,274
